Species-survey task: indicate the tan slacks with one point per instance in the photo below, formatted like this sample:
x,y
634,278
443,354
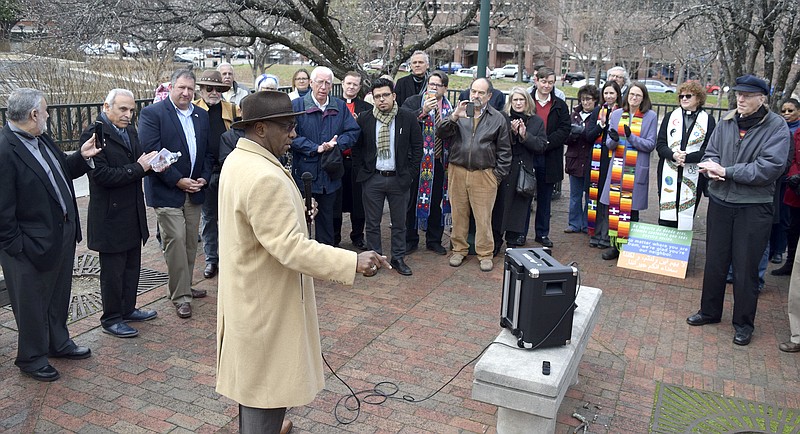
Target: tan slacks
x,y
179,228
794,301
472,192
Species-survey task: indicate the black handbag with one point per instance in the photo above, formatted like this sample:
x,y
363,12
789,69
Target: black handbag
x,y
333,163
526,181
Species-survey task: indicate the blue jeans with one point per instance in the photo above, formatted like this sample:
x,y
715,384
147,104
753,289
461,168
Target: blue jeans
x,y
578,204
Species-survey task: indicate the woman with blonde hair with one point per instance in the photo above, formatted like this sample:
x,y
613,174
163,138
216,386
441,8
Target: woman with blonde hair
x,y
301,80
527,136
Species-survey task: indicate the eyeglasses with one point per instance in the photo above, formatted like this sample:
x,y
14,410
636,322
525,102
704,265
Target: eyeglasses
x,y
323,83
435,85
634,95
685,96
301,79
787,111
219,89
382,96
287,126
747,95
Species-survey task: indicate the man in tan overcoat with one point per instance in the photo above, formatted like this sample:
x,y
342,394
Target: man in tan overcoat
x,y
268,346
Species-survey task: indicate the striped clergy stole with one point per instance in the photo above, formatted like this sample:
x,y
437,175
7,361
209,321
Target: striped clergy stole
x,y
623,174
594,179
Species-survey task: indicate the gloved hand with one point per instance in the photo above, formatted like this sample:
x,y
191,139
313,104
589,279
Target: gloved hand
x,y
794,182
613,134
627,131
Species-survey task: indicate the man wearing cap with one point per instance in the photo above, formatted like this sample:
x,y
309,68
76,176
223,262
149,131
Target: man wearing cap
x,y
746,154
177,193
327,125
268,344
220,116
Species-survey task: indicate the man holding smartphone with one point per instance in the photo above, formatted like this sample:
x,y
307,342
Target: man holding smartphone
x,y
117,226
480,157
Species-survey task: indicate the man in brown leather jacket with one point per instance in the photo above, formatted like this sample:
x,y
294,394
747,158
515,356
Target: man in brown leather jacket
x,y
480,157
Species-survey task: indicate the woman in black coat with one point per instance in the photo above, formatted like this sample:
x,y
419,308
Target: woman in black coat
x,y
585,131
527,136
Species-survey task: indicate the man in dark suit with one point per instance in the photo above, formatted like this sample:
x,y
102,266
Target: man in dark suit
x,y
117,226
348,198
39,226
414,83
386,157
177,193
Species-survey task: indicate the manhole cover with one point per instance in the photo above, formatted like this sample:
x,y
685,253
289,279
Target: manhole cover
x,y
683,410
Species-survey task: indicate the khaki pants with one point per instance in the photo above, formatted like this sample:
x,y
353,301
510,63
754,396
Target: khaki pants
x,y
794,301
472,192
179,228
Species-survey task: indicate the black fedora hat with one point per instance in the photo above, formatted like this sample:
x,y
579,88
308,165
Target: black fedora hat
x,y
264,105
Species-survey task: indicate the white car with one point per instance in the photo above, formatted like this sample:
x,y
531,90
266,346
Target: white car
x,y
464,72
375,64
591,80
508,71
658,86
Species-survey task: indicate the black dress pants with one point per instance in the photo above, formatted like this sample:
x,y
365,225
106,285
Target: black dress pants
x,y
738,237
119,280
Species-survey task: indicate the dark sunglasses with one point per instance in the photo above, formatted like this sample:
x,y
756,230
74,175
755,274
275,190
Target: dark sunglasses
x,y
219,89
787,110
287,126
685,96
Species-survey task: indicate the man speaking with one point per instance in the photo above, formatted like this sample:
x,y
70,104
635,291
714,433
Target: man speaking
x,y
268,346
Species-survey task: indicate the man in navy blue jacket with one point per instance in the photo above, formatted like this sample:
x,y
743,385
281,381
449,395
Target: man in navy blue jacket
x,y
327,124
177,192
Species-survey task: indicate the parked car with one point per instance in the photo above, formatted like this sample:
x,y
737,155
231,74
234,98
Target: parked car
x,y
712,89
657,86
92,49
191,56
591,80
375,64
464,72
507,71
130,49
572,77
450,67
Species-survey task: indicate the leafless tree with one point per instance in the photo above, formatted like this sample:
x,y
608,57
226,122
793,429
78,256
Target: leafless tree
x,y
335,34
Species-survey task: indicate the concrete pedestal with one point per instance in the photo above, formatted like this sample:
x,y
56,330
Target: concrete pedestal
x,y
512,379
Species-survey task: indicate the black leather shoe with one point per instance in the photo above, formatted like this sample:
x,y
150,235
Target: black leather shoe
x,y
776,258
520,241
742,338
785,270
411,248
121,330
359,244
139,315
210,271
699,319
47,373
437,248
77,353
199,293
610,253
544,241
400,266
497,249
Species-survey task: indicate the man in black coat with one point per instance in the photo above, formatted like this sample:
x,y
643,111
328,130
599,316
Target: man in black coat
x,y
414,83
348,198
117,226
39,226
550,164
386,160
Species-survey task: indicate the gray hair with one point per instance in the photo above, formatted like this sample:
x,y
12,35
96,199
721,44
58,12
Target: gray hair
x,y
219,68
421,53
21,102
112,95
320,70
623,71
181,73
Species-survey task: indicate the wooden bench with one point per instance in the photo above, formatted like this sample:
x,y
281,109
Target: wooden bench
x,y
512,379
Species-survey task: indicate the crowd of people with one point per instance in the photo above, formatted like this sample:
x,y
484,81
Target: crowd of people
x,y
255,160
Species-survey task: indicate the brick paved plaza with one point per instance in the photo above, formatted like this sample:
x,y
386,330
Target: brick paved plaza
x,y
417,332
